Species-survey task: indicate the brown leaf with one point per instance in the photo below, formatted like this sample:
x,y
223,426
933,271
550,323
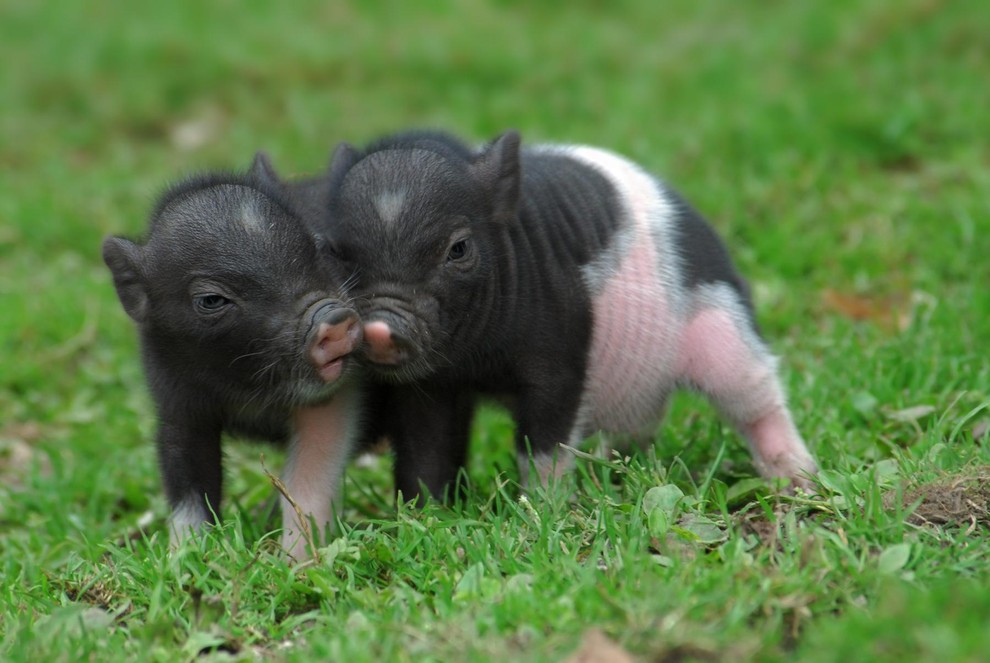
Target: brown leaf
x,y
26,431
596,647
19,453
891,312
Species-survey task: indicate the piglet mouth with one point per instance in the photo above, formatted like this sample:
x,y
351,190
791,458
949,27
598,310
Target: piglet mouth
x,y
392,355
332,370
386,346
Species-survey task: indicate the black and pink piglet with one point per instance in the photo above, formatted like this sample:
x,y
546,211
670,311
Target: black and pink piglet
x,y
564,280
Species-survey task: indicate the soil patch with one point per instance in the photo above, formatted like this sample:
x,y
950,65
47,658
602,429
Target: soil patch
x,y
961,500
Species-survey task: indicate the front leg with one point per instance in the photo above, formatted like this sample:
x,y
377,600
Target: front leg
x,y
322,439
191,467
430,428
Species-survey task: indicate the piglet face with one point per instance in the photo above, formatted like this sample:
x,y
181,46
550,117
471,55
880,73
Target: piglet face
x,y
418,266
419,231
411,325
232,291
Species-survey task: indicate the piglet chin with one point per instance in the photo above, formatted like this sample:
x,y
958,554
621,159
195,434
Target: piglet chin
x,y
332,370
387,357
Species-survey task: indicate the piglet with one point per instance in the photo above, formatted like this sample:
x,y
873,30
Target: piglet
x,y
565,280
244,329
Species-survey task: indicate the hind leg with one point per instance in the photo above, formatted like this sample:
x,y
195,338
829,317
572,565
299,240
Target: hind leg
x,y
635,439
724,358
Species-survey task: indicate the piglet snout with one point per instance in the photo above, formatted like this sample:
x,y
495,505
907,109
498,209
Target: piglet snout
x,y
385,346
334,333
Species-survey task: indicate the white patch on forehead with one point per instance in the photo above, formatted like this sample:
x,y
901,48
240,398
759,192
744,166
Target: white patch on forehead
x,y
389,204
251,217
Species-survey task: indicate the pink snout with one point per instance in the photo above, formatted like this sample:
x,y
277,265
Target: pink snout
x,y
332,342
383,346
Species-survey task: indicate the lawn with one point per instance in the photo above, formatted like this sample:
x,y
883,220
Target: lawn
x,y
843,151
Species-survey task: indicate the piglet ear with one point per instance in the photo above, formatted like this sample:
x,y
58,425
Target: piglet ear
x,y
498,170
263,170
344,157
123,257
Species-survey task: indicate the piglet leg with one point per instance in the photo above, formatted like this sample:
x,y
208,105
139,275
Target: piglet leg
x,y
190,461
547,416
430,429
724,358
318,453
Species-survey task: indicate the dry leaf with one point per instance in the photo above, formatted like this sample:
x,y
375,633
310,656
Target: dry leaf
x,y
596,647
891,312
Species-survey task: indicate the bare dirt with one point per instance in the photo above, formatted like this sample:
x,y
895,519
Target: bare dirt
x,y
961,500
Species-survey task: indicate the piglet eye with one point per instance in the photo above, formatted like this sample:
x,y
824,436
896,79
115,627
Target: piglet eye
x,y
457,250
210,303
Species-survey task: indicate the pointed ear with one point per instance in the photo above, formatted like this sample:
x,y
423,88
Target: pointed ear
x,y
263,170
498,170
123,257
344,157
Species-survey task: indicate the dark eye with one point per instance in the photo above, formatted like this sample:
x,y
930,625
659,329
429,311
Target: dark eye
x,y
457,250
210,303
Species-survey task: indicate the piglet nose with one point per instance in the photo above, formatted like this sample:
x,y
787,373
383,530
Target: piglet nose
x,y
334,332
384,344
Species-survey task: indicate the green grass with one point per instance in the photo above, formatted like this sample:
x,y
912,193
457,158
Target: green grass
x,y
841,148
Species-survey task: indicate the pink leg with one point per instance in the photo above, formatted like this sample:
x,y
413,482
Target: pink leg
x,y
731,365
313,477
